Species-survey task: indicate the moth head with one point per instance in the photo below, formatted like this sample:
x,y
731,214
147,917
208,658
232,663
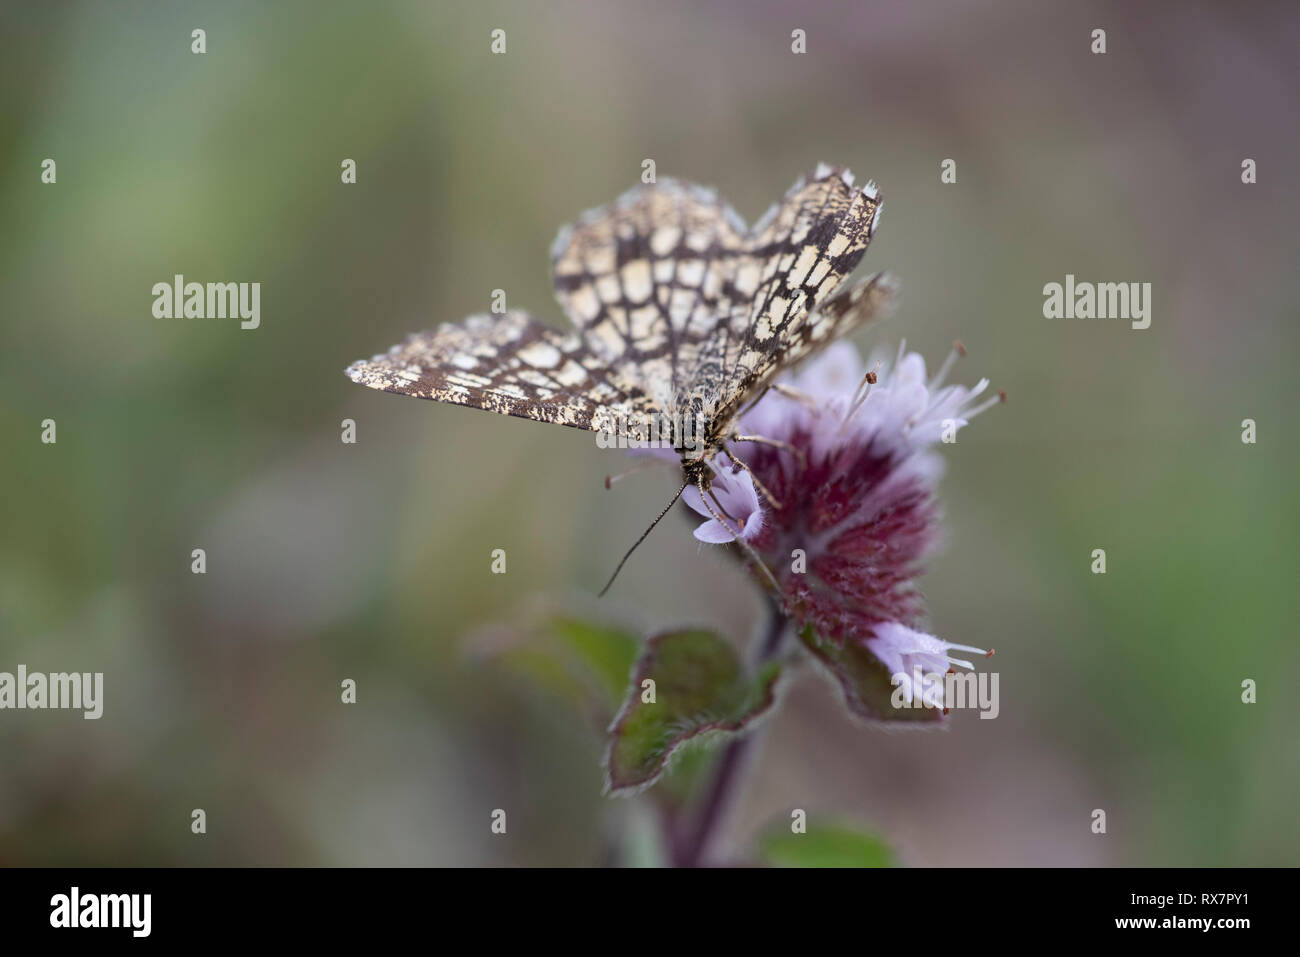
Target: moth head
x,y
695,469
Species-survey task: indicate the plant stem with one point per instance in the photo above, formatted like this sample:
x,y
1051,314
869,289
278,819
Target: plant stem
x,y
689,850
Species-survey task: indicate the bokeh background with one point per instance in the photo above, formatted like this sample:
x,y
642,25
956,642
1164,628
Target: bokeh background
x,y
371,561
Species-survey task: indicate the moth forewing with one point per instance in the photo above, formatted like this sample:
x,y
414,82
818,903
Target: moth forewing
x,y
679,310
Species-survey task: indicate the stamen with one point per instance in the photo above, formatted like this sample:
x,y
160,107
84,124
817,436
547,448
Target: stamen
x,y
958,352
860,395
639,467
988,404
959,661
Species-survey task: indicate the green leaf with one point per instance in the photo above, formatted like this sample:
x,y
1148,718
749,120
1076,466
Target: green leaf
x,y
825,844
685,776
700,689
583,663
865,681
605,653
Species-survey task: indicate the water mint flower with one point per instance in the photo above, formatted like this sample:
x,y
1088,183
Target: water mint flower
x,y
735,492
909,654
855,476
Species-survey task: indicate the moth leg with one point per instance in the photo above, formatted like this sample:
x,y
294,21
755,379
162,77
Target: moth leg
x,y
775,443
790,392
705,495
754,401
762,489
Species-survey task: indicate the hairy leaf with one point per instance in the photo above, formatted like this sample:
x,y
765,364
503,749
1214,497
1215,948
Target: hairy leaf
x,y
585,664
700,689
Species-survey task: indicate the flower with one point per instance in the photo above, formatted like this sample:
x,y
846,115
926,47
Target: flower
x,y
909,654
854,471
848,468
741,511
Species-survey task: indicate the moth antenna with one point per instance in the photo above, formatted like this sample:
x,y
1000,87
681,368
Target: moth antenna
x,y
671,503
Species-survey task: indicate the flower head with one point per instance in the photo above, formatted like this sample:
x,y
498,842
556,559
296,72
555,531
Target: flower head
x,y
851,462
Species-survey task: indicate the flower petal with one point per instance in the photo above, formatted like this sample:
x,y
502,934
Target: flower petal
x,y
691,496
713,533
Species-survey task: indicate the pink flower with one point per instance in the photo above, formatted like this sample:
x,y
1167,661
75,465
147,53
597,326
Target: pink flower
x,y
856,485
909,654
735,492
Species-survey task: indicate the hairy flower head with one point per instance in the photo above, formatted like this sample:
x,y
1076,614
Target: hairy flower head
x,y
850,456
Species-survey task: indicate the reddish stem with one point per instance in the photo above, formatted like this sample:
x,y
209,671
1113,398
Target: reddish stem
x,y
688,850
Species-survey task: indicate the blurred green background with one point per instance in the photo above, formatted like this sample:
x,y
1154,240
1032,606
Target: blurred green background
x,y
371,561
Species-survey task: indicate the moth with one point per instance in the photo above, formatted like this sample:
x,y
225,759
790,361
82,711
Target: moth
x,y
682,315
